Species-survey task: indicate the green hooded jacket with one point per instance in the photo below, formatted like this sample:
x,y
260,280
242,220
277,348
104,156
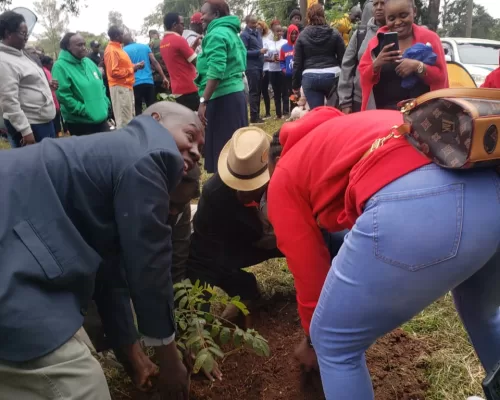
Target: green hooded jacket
x,y
81,91
223,58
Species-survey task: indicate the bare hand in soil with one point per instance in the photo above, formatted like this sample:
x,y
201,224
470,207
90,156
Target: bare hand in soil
x,y
139,367
174,379
214,374
148,370
306,356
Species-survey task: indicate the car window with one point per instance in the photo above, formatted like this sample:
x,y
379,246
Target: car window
x,y
448,50
475,53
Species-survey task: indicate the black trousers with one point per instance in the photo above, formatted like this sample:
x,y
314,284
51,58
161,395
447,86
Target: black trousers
x,y
78,129
57,123
288,88
222,125
254,78
144,93
265,92
190,100
227,272
281,98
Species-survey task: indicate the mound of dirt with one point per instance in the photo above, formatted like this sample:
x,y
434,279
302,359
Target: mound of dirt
x,y
394,364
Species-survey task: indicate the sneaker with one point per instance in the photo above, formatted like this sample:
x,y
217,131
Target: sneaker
x,y
257,122
268,116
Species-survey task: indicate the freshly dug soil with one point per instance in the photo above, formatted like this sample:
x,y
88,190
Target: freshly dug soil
x,y
394,364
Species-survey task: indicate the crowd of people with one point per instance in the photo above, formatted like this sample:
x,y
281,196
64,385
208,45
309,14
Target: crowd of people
x,y
97,226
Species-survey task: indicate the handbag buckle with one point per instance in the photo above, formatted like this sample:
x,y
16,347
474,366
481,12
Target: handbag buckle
x,y
380,142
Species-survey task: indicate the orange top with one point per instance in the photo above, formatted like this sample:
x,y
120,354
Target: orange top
x,y
119,67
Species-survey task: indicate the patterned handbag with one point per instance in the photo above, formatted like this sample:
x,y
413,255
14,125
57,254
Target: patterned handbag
x,y
455,128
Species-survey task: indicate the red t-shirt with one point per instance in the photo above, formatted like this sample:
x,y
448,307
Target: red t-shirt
x,y
322,179
177,56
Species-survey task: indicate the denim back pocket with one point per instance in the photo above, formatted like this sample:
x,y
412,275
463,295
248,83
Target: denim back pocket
x,y
418,228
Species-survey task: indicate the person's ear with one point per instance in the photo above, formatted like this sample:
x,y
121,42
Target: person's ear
x,y
156,116
277,159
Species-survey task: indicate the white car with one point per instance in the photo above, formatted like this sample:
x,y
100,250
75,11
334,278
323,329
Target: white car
x,y
479,56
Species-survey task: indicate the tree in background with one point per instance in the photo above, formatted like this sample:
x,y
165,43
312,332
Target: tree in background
x,y
69,6
54,21
454,19
276,9
115,18
186,8
90,37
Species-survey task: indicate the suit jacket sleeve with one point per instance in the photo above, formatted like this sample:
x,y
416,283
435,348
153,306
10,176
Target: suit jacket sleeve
x,y
112,298
348,72
245,38
141,213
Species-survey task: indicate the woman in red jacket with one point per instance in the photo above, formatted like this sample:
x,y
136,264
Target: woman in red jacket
x,y
416,232
381,76
492,80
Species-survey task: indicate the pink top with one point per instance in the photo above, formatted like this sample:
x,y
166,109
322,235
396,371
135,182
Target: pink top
x,y
49,78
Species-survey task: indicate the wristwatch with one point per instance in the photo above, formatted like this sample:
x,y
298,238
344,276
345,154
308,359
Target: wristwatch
x,y
202,100
420,69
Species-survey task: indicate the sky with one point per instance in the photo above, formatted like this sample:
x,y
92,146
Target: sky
x,y
94,17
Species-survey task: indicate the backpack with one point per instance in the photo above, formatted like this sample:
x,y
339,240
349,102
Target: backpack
x,y
360,37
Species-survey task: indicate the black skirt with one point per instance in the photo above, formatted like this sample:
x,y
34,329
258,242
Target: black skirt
x,y
225,115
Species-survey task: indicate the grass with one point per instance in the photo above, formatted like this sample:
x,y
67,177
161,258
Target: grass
x,y
4,145
452,368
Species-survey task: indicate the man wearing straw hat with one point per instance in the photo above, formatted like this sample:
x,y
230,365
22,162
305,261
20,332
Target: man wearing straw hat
x,y
230,230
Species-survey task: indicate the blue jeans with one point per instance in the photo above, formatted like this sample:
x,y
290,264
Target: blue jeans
x,y
429,232
40,132
317,88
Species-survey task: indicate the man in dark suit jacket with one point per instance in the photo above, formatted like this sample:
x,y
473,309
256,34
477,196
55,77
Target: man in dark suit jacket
x,y
252,39
225,239
69,206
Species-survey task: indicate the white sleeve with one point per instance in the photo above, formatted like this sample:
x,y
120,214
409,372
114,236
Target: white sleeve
x,y
153,342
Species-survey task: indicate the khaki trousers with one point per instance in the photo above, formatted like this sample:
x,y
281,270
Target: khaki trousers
x,y
68,373
122,100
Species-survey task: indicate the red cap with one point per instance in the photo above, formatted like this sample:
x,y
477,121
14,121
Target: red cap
x,y
196,18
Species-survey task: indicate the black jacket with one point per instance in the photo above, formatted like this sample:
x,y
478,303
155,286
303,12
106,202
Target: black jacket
x,y
318,46
224,235
253,43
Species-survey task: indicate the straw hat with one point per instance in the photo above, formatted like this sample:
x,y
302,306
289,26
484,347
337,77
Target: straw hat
x,y
243,160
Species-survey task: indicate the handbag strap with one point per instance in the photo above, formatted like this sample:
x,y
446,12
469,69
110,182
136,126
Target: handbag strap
x,y
395,133
478,93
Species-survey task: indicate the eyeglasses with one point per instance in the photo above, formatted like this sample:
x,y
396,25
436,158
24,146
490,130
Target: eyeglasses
x,y
23,34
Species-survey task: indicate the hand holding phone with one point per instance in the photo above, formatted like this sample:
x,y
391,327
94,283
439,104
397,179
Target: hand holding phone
x,y
386,56
391,38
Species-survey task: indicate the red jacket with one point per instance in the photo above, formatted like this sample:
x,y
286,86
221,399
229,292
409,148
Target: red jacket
x,y
320,179
492,80
436,76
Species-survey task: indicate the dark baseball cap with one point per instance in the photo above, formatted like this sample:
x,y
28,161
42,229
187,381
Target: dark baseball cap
x,y
94,43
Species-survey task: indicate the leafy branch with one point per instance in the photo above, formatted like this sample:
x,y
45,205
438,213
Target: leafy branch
x,y
201,333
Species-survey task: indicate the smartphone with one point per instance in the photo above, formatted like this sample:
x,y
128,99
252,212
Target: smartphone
x,y
491,384
391,38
